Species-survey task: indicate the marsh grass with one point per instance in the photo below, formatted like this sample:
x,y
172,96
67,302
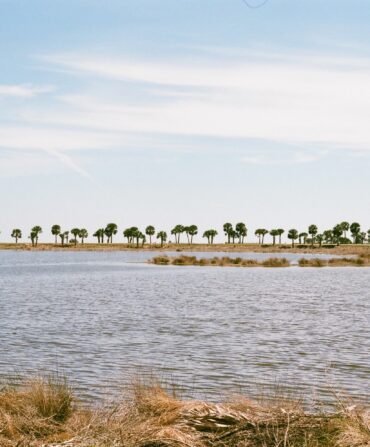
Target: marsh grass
x,y
150,414
275,262
359,261
314,262
35,408
224,261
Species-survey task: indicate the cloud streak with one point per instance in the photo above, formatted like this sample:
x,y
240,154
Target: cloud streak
x,y
294,101
284,101
23,91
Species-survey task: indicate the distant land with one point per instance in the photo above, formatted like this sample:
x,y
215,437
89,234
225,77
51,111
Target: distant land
x,y
348,249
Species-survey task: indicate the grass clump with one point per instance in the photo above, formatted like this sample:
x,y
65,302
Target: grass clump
x,y
275,262
161,260
358,261
314,262
34,409
184,260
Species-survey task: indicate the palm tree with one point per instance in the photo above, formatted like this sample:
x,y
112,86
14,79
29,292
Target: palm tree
x,y
213,234
83,234
345,228
109,231
150,231
312,230
55,230
36,230
32,236
162,235
293,235
304,236
263,234
241,231
191,231
75,232
228,229
274,233
99,234
176,231
337,233
62,237
355,231
17,234
328,236
368,236
260,233
320,238
66,235
280,231
130,234
137,234
210,235
127,234
143,239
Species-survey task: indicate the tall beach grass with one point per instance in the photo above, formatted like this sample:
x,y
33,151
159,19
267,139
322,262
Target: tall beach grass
x,y
44,412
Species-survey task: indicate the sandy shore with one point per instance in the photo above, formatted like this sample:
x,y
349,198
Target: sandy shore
x,y
221,248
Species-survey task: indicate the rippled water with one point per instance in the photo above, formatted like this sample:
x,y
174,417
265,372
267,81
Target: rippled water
x,y
100,317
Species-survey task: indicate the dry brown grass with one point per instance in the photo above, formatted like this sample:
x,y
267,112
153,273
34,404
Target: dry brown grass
x,y
41,413
37,408
359,261
225,261
314,262
275,262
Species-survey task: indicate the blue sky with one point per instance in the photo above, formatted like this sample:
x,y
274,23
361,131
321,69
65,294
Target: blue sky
x,y
163,112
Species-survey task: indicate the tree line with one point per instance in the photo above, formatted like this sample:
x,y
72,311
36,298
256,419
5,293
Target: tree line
x,y
342,233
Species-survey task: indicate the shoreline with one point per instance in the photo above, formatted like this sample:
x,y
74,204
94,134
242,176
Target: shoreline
x,y
350,249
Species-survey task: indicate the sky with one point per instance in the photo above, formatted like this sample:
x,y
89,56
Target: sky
x,y
168,112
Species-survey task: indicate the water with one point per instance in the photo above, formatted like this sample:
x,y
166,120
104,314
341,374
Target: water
x,y
100,317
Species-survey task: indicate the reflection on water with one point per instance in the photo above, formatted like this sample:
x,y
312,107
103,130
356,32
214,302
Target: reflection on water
x,y
100,317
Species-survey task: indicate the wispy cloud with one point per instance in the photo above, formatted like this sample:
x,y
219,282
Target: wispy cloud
x,y
23,91
283,158
292,101
284,99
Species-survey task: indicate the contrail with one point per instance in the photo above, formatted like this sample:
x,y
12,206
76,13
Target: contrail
x,y
67,161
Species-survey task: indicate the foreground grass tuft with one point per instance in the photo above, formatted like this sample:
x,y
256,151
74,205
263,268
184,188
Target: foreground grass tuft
x,y
34,409
40,413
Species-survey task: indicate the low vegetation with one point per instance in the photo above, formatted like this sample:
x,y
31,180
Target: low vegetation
x,y
359,261
226,261
43,412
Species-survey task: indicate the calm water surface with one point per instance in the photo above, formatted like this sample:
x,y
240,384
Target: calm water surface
x,y
101,317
